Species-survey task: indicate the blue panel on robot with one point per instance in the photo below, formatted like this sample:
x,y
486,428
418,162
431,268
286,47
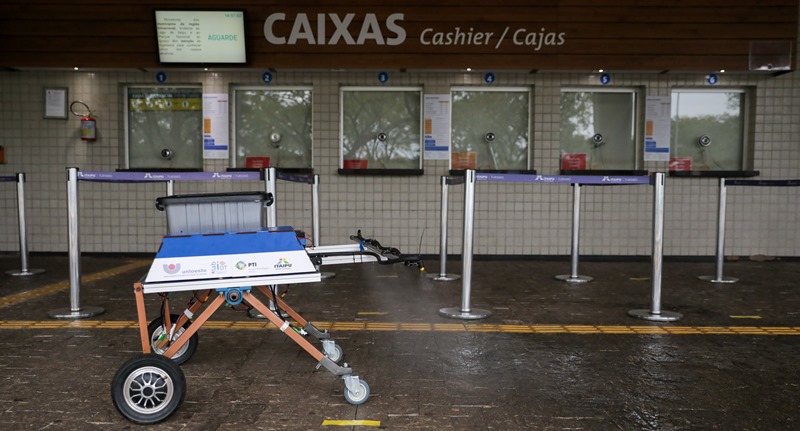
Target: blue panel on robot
x,y
262,241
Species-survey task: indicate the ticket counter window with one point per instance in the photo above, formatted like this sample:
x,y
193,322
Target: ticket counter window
x,y
272,128
164,128
381,130
707,130
598,130
490,129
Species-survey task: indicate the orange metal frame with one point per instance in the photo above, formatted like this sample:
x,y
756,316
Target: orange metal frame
x,y
199,301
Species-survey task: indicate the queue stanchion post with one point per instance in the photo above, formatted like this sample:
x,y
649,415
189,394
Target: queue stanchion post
x,y
315,228
720,252
170,188
23,232
573,276
655,313
75,311
443,275
270,178
466,311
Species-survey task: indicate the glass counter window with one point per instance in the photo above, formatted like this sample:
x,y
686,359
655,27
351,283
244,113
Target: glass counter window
x,y
490,129
707,131
164,128
272,128
381,130
598,129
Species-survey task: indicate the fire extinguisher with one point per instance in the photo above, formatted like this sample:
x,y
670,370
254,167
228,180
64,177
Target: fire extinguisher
x,y
88,128
88,124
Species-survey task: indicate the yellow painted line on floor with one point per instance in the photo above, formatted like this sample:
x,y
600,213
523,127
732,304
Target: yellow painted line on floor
x,y
372,313
430,327
63,285
745,317
351,423
378,326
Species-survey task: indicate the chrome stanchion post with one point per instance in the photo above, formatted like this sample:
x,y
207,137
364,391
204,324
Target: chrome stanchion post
x,y
466,312
315,222
573,276
75,311
270,178
171,188
655,313
23,232
443,275
723,203
315,209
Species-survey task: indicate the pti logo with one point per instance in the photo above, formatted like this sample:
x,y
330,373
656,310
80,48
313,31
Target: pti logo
x,y
240,265
172,268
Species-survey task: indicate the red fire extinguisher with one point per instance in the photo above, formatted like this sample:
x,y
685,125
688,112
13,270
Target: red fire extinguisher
x,y
88,124
88,128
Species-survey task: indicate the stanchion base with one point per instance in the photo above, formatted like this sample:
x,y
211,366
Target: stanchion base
x,y
457,313
21,273
327,275
664,316
82,313
444,277
576,279
714,279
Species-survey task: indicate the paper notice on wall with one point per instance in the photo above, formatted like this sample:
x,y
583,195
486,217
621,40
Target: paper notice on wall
x,y
437,126
215,126
657,129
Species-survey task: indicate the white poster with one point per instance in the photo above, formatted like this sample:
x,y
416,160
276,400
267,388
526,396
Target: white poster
x,y
437,126
215,126
657,129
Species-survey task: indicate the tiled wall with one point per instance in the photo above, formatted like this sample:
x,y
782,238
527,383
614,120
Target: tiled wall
x,y
515,219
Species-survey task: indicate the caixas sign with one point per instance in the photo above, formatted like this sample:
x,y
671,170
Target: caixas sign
x,y
331,29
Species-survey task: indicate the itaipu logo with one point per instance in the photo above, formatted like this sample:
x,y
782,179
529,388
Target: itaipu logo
x,y
172,268
283,264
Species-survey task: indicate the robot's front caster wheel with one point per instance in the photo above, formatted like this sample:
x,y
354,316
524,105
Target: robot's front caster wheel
x,y
357,394
333,351
157,330
148,388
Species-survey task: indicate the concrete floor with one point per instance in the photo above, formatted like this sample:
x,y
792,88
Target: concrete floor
x,y
553,355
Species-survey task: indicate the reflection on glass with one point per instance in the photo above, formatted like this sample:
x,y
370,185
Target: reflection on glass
x,y
381,129
598,130
490,129
707,130
272,128
165,128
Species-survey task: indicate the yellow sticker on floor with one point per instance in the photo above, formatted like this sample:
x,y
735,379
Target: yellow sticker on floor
x,y
745,317
350,423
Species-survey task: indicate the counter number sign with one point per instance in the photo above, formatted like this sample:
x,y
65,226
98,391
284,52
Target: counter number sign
x,y
489,78
383,77
161,77
266,77
605,79
712,79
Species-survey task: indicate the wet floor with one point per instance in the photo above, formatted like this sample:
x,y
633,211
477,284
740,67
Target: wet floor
x,y
552,355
